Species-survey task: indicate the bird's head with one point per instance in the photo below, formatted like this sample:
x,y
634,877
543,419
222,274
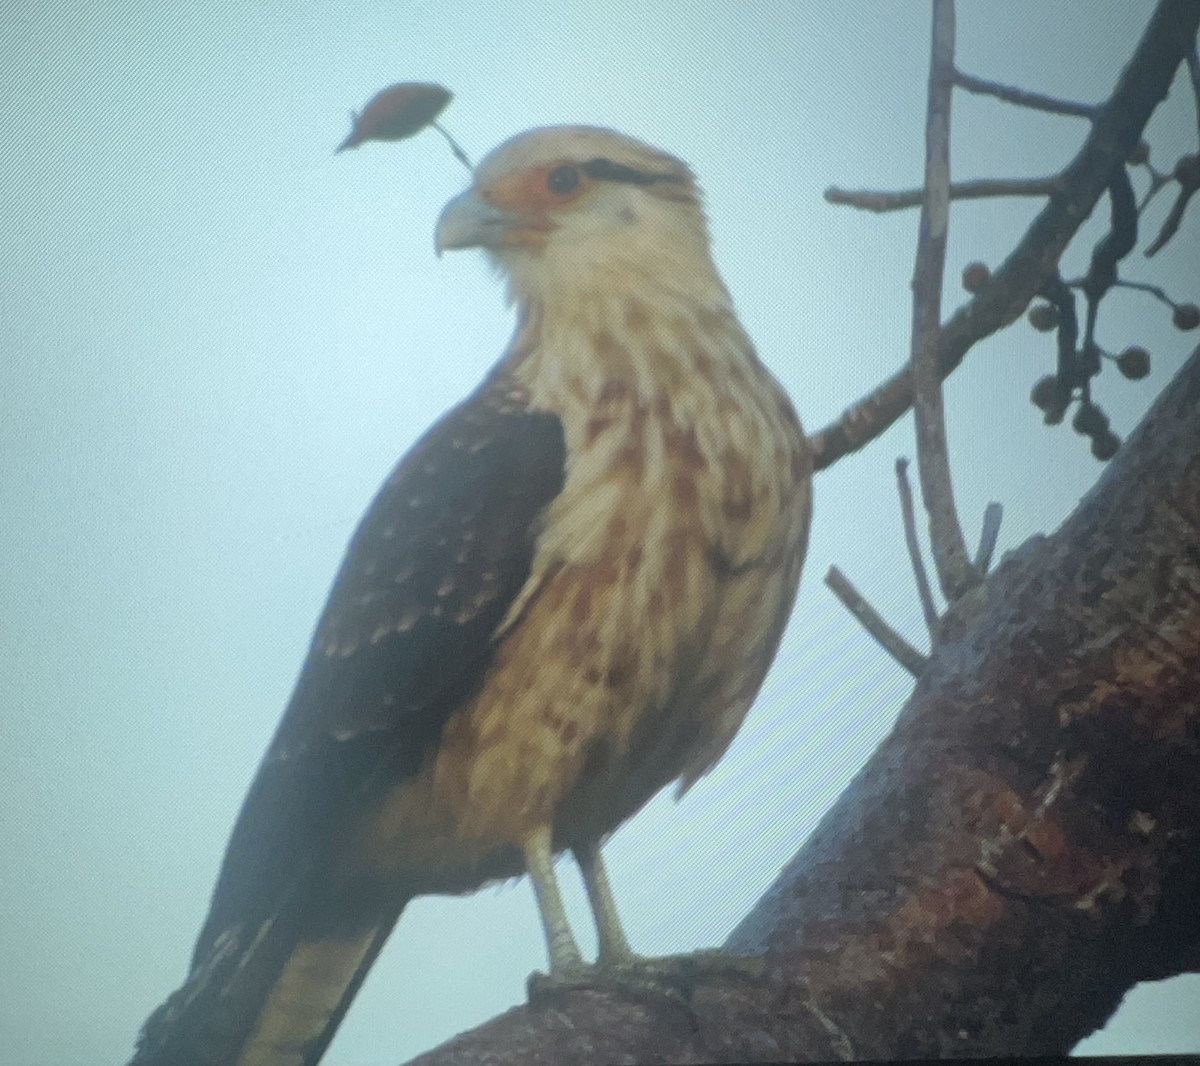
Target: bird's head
x,y
578,206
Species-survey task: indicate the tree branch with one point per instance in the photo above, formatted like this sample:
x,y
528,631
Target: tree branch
x,y
872,621
949,548
881,202
924,594
1115,131
1022,97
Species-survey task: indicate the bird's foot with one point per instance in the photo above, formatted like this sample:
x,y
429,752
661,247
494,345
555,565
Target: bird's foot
x,y
673,976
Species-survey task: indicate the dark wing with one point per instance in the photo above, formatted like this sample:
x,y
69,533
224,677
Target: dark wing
x,y
405,637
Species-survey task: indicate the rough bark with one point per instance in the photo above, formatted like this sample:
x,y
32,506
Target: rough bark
x,y
1021,850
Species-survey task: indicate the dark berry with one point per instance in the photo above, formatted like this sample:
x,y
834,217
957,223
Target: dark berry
x,y
1134,363
1044,394
1187,170
1090,421
1105,446
975,276
1186,316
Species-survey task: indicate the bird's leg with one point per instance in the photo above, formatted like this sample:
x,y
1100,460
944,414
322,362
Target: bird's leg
x,y
614,947
565,959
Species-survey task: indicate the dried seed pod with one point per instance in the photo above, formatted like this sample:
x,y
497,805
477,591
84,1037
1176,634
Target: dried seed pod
x,y
396,113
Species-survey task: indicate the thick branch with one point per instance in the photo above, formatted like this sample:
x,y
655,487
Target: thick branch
x,y
1115,132
1022,849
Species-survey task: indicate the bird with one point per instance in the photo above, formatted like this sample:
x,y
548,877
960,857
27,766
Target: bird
x,y
563,599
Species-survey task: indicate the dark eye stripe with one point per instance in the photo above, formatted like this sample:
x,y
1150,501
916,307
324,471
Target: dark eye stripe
x,y
607,170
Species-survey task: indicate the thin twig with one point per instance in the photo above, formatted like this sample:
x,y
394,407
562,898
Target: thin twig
x,y
993,515
1187,188
1138,286
1022,97
945,533
891,641
880,202
459,154
1193,65
1158,180
924,593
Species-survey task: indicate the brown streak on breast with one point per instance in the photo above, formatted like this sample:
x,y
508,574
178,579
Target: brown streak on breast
x,y
738,501
728,407
684,491
613,389
704,366
675,562
682,445
581,608
609,350
736,376
595,426
566,729
637,318
630,461
624,665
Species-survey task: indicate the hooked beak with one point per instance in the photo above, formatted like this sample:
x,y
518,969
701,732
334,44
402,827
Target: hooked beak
x,y
469,222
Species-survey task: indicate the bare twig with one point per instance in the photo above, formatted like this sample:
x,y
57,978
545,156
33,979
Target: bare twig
x,y
993,514
1023,98
924,593
1118,125
891,641
933,465
1068,374
1189,182
1117,243
1193,65
880,202
1156,291
1158,181
459,154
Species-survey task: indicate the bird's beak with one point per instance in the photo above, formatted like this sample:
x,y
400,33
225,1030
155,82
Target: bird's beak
x,y
469,222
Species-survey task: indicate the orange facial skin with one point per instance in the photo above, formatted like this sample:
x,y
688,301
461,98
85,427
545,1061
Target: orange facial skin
x,y
528,196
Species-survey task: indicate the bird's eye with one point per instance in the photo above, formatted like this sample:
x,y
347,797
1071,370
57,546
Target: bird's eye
x,y
563,180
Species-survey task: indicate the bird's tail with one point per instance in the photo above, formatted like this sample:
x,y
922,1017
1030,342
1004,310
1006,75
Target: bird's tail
x,y
274,999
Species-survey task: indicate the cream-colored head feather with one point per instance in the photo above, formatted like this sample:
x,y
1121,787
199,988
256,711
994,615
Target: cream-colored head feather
x,y
567,209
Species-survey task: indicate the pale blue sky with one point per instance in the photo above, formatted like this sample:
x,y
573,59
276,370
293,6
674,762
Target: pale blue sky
x,y
216,338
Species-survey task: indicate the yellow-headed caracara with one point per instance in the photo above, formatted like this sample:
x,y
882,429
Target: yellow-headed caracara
x,y
564,597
